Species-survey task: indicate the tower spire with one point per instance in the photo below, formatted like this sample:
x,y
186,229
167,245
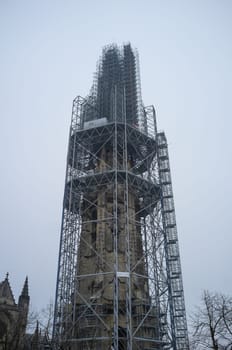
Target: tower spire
x,y
24,298
35,337
25,288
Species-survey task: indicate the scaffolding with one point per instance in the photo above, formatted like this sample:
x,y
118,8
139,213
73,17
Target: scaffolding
x,y
119,283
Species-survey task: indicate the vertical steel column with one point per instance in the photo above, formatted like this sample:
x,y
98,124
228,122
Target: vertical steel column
x,y
127,233
68,241
115,219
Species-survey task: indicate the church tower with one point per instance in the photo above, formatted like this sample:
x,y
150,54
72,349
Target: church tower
x,y
13,317
23,307
119,283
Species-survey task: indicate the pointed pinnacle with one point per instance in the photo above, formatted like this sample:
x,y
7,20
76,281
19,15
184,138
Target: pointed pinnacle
x,y
25,288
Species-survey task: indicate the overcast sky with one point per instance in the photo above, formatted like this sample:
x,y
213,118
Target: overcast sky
x,y
49,51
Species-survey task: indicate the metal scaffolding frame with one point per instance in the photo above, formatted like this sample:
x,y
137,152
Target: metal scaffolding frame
x,y
119,282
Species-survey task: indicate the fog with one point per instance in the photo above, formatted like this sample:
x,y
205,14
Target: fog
x,y
49,51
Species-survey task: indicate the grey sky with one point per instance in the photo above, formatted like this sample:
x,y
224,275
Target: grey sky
x,y
48,55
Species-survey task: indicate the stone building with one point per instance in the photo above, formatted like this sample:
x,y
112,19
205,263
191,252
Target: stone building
x,y
119,283
13,317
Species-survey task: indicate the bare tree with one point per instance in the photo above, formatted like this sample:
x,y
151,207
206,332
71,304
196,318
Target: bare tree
x,y
44,317
33,317
212,323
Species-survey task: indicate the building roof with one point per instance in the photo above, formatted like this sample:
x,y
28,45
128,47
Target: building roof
x,y
6,295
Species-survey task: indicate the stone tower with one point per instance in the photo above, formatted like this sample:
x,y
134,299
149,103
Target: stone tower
x,y
119,283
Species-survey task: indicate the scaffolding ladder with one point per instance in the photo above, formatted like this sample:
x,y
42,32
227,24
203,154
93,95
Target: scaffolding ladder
x,y
179,333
